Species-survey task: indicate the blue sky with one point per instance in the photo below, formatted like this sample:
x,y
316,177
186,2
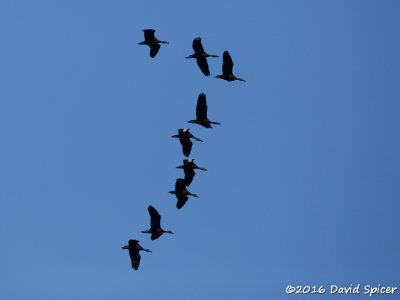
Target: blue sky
x,y
303,181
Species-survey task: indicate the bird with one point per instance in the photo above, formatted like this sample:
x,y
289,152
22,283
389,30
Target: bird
x,y
201,113
134,248
181,193
155,229
151,41
201,56
227,66
188,167
184,137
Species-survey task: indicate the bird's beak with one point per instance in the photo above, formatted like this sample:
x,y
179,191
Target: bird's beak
x,y
125,247
175,136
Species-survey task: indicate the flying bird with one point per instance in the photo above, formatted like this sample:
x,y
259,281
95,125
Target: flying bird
x,y
227,66
151,41
188,167
181,193
134,248
201,56
184,137
201,113
155,227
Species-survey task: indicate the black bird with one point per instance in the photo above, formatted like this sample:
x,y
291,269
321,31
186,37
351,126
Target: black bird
x,y
188,167
181,193
155,230
201,113
184,137
201,56
227,66
151,41
134,248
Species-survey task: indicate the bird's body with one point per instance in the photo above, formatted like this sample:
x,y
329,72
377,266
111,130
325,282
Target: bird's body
x,y
201,113
155,227
188,167
184,137
201,56
134,248
151,41
181,193
227,69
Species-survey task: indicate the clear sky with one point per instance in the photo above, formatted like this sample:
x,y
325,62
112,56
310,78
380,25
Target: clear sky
x,y
303,174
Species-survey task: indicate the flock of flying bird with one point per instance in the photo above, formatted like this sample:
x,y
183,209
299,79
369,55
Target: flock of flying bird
x,y
184,136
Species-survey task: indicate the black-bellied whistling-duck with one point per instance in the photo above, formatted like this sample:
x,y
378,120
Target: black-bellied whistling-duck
x,y
134,248
184,137
155,227
188,167
181,193
151,41
227,66
201,56
201,113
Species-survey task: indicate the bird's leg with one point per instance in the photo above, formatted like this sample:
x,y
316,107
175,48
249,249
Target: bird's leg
x,y
215,123
141,248
241,79
197,139
197,167
190,194
168,231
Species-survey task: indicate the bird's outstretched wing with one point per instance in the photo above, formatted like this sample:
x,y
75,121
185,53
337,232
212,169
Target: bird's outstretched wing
x,y
186,147
135,258
197,46
154,49
203,65
155,236
189,175
227,64
149,34
201,107
181,201
155,217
